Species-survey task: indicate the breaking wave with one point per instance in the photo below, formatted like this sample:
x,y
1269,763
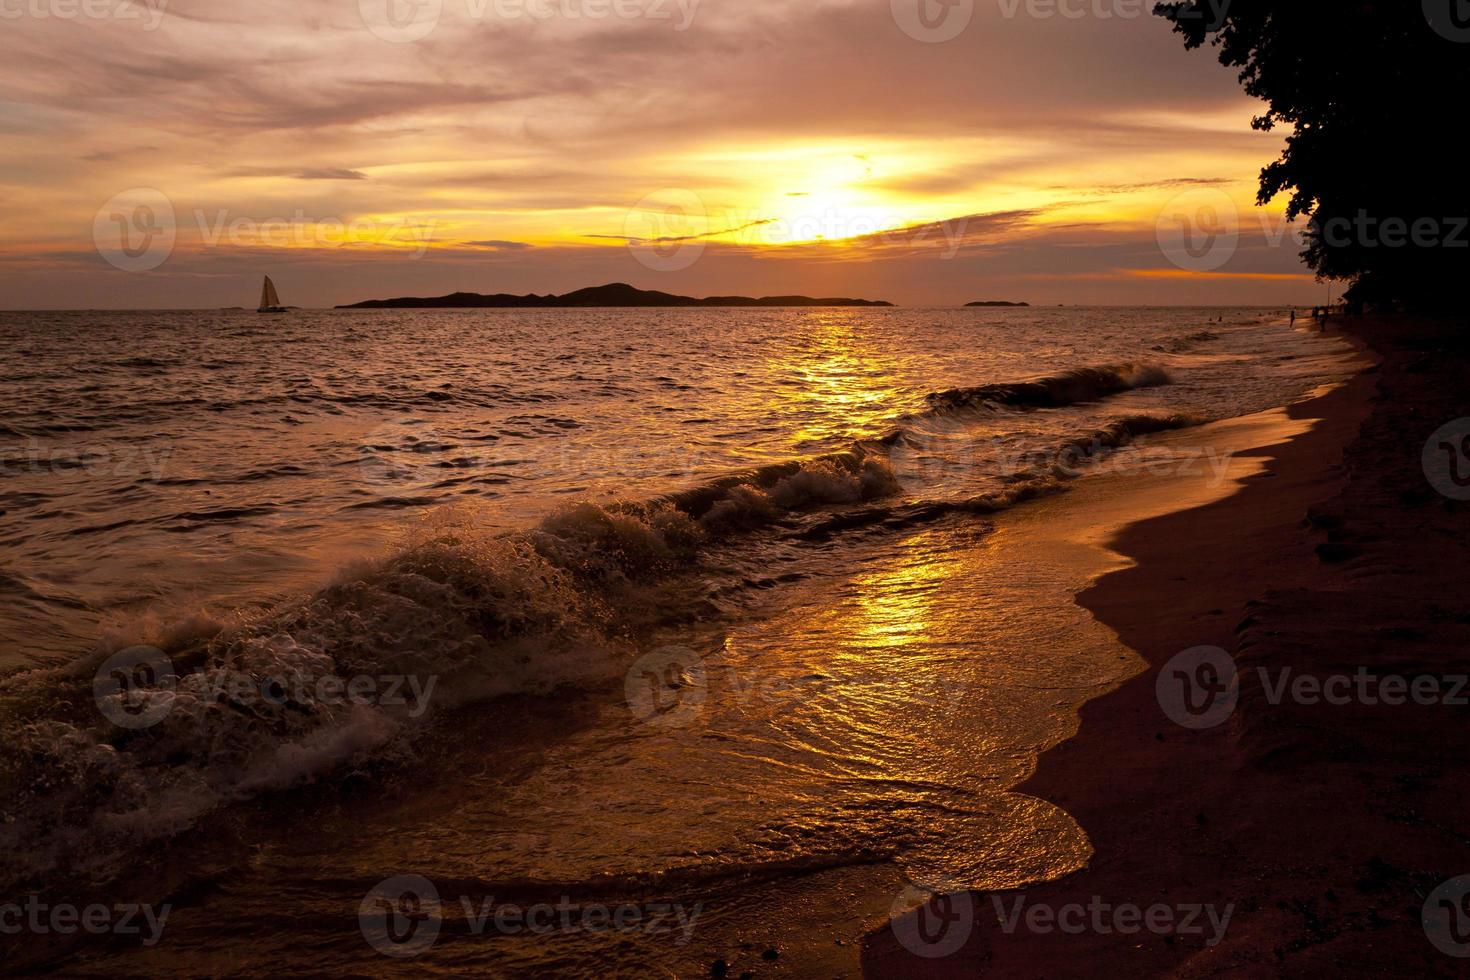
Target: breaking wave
x,y
457,615
1068,388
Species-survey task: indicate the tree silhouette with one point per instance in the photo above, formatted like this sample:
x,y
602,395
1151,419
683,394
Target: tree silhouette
x,y
1371,90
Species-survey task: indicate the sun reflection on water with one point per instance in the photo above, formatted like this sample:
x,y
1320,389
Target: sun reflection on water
x,y
836,367
895,605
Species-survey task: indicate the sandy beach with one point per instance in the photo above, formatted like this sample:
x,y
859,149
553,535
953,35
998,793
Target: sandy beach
x,y
1318,828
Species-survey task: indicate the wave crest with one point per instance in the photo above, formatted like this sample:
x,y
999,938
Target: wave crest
x,y
1068,388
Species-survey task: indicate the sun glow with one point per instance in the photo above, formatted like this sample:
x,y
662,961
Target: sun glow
x,y
782,195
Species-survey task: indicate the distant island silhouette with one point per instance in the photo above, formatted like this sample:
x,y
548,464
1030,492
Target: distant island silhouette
x,y
996,302
613,294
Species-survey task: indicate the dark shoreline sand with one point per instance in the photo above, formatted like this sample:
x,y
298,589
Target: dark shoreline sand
x,y
1324,826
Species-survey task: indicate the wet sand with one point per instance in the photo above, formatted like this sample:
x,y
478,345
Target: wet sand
x,y
1322,827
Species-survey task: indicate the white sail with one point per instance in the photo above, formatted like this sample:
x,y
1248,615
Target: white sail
x,y
268,298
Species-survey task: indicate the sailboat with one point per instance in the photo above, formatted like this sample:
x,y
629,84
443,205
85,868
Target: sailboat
x,y
269,301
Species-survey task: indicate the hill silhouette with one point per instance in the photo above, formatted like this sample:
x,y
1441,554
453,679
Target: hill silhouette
x,y
613,294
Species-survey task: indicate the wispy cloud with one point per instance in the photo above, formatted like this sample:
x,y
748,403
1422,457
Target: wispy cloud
x,y
500,245
530,142
304,173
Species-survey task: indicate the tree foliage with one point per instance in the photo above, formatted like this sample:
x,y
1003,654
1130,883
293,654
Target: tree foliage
x,y
1372,91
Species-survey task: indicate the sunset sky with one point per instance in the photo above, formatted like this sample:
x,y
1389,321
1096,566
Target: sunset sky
x,y
723,146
